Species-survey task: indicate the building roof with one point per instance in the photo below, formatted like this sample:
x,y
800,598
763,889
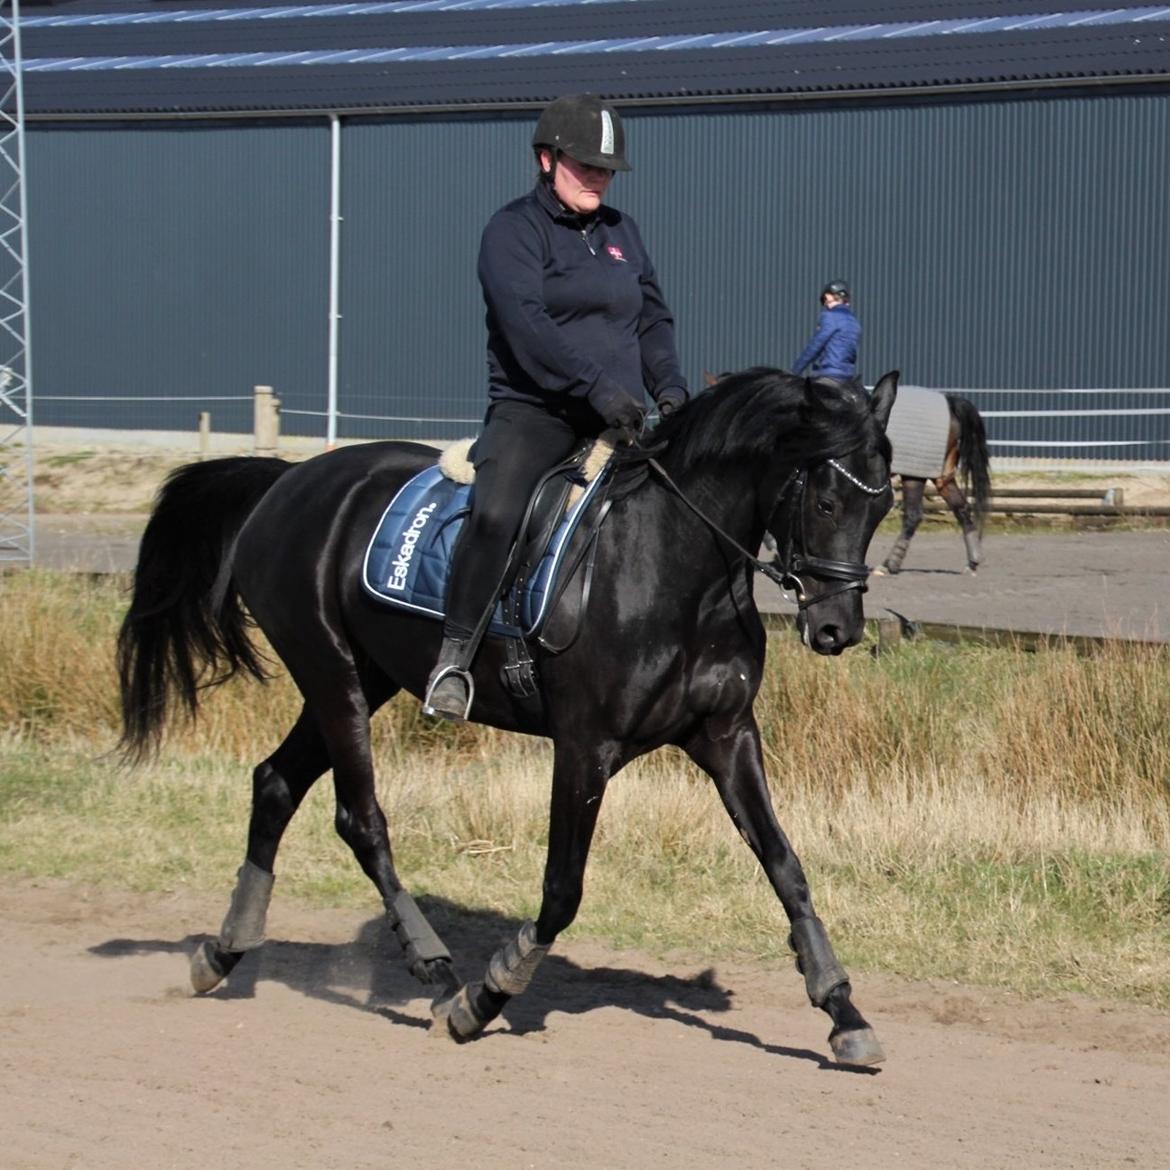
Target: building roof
x,y
124,58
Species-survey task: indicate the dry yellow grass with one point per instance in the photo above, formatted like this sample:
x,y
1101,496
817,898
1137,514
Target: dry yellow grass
x,y
979,814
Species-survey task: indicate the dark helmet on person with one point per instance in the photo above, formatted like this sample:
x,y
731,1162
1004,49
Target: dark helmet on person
x,y
585,128
837,288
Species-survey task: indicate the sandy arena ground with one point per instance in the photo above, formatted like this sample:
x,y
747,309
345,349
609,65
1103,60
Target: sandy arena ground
x,y
318,1054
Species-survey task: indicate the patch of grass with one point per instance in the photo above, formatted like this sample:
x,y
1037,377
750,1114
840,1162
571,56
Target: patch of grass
x,y
67,459
987,815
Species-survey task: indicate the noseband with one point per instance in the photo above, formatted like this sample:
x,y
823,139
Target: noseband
x,y
851,574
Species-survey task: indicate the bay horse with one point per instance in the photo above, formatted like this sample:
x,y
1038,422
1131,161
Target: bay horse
x,y
966,459
671,649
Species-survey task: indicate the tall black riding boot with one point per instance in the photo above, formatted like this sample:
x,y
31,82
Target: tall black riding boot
x,y
450,689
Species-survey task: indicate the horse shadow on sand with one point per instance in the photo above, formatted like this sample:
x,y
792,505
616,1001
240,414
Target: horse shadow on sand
x,y
368,974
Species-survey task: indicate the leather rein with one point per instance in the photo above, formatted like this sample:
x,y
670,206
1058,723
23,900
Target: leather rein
x,y
795,561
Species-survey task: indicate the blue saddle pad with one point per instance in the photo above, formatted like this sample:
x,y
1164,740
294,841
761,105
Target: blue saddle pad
x,y
408,560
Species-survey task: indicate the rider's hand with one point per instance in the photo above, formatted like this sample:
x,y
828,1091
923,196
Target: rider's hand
x,y
670,400
621,411
628,416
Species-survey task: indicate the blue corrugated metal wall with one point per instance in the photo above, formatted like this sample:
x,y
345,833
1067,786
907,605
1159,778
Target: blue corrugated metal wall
x,y
415,197
1016,244
186,264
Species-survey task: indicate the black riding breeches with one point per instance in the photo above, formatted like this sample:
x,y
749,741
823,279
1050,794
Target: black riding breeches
x,y
519,443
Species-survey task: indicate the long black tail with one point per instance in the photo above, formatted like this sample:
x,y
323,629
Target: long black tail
x,y
974,461
186,627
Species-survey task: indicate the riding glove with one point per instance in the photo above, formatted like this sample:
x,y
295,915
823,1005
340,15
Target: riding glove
x,y
619,409
670,400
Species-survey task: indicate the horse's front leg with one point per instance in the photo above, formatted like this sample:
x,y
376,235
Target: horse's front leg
x,y
913,492
579,782
729,752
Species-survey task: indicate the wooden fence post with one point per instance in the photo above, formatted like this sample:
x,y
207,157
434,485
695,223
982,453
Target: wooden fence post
x,y
889,632
266,424
204,434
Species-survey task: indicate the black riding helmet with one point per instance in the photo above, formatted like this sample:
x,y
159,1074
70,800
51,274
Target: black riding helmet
x,y
585,128
838,288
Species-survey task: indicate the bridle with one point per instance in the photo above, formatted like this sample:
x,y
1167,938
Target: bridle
x,y
851,574
795,561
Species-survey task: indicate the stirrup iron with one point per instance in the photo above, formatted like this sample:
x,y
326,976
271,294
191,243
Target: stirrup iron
x,y
454,671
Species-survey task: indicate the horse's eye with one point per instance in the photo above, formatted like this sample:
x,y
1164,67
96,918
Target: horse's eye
x,y
825,507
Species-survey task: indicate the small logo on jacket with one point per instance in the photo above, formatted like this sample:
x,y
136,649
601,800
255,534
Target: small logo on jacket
x,y
615,252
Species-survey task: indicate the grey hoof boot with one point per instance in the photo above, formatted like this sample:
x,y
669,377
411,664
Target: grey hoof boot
x,y
893,563
450,689
974,550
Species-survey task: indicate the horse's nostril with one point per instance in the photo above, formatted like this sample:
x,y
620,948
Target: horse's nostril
x,y
827,638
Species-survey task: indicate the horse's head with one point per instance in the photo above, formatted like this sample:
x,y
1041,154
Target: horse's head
x,y
823,522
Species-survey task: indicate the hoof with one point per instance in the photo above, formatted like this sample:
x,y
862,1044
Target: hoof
x,y
857,1047
210,966
455,1015
206,972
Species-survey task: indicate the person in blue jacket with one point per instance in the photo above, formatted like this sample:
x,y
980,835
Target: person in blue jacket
x,y
578,334
832,350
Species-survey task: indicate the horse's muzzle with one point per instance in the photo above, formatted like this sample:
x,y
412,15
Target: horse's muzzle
x,y
833,626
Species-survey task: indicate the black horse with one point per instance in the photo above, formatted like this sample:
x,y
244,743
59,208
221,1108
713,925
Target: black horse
x,y
964,482
671,648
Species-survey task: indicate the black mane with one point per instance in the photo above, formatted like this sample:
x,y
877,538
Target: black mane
x,y
769,413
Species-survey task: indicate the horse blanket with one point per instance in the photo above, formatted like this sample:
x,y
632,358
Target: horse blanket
x,y
918,429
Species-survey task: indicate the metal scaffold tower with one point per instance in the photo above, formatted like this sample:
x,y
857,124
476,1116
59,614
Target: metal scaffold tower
x,y
16,455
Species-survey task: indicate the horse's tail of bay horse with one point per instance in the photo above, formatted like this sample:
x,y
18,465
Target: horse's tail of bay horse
x,y
186,628
974,461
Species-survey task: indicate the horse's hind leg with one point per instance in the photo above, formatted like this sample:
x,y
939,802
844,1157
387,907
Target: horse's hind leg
x,y
333,731
279,784
361,824
913,491
579,783
957,502
732,758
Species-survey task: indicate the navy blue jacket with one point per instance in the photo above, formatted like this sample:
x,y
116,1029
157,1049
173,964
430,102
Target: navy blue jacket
x,y
832,351
573,307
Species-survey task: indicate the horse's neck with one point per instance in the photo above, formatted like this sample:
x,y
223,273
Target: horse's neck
x,y
728,495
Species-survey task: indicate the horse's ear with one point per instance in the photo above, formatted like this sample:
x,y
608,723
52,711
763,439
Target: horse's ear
x,y
884,393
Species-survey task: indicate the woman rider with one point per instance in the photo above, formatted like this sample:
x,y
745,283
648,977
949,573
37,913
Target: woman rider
x,y
832,349
578,331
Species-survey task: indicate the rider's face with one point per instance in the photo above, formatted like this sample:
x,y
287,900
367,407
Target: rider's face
x,y
579,187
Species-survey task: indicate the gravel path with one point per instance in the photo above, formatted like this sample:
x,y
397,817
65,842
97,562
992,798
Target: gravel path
x,y
1099,584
